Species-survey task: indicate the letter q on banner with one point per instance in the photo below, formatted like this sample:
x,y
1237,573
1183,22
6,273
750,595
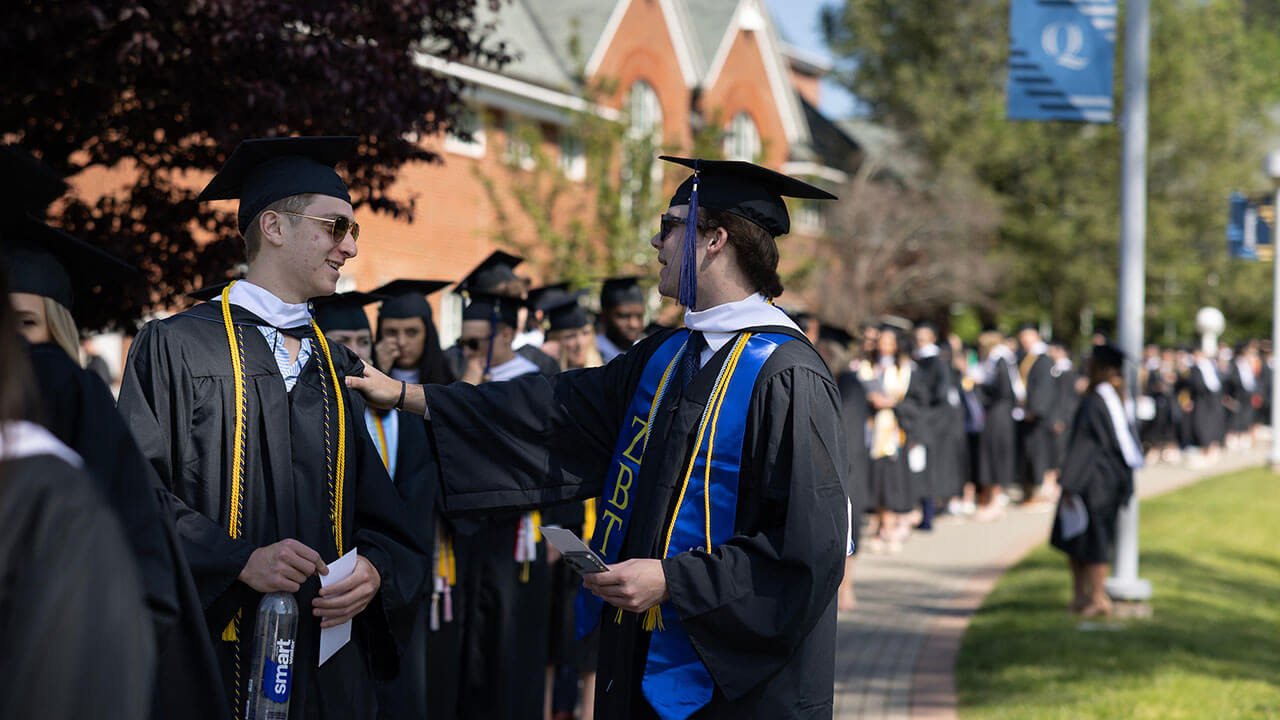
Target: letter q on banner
x,y
1061,60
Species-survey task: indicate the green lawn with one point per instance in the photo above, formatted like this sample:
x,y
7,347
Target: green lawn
x,y
1212,649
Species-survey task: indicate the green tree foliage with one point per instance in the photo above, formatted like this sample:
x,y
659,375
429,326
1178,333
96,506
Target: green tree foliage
x,y
935,70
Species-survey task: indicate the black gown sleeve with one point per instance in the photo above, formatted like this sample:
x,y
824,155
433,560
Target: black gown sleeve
x,y
529,442
748,605
155,399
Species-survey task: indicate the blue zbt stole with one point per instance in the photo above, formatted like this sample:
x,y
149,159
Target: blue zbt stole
x,y
676,683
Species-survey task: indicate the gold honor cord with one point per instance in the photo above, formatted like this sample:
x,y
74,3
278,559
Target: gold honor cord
x,y
382,441
653,616
232,632
340,466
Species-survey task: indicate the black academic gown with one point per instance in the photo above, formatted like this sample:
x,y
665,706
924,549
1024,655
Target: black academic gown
x,y
1096,471
1242,411
178,398
408,695
1035,430
77,633
1208,416
760,609
79,410
506,608
1064,410
997,445
937,418
854,413
1163,428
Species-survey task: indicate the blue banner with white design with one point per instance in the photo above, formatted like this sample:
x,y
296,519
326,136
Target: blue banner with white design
x,y
1250,224
1061,60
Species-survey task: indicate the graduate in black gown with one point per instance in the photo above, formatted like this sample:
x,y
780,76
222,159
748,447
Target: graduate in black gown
x,y
48,270
1208,420
1035,419
505,575
833,345
402,446
407,345
250,378
896,394
1097,481
748,623
78,635
621,315
1067,399
937,419
999,391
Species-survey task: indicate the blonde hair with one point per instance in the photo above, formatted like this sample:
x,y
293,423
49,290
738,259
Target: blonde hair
x,y
593,358
62,328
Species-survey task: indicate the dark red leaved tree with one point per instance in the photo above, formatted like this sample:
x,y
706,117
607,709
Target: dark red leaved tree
x,y
165,88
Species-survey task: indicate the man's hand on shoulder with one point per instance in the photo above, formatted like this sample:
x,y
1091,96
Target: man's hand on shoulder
x,y
383,393
282,567
633,585
349,597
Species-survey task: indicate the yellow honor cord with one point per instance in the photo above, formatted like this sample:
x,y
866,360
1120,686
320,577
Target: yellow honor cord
x,y
232,632
732,363
716,398
340,465
382,441
237,443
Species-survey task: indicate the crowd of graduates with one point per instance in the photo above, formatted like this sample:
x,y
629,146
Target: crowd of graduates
x,y
940,428
932,427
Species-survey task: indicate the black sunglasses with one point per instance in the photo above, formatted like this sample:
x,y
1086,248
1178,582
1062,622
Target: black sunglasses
x,y
341,225
471,343
670,222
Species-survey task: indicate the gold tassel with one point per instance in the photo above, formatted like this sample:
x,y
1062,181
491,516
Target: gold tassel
x,y
653,618
524,572
617,617
231,632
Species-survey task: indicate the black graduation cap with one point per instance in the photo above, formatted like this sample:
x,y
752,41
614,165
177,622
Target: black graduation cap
x,y
408,298
494,274
264,170
27,184
621,291
745,189
344,311
564,312
1108,355
493,308
831,333
540,296
41,259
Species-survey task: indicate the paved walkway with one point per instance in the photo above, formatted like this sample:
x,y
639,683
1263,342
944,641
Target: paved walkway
x,y
896,653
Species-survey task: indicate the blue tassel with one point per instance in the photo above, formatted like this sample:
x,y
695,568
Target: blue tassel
x,y
688,295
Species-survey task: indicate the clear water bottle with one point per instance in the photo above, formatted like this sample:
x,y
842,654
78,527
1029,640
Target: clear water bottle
x,y
271,665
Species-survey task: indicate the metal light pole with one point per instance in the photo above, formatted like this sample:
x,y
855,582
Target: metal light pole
x,y
1271,166
1125,584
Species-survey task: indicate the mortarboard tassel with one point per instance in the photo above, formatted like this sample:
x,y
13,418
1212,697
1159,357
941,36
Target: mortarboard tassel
x,y
493,332
688,293
653,619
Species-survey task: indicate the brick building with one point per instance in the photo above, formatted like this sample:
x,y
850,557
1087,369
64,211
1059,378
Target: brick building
x,y
674,67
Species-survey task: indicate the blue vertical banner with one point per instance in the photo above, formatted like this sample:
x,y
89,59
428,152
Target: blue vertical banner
x,y
1061,60
1250,227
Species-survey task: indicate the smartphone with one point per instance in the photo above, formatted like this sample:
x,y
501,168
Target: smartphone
x,y
576,553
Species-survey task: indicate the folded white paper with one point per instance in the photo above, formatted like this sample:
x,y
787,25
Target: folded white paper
x,y
333,638
1073,515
